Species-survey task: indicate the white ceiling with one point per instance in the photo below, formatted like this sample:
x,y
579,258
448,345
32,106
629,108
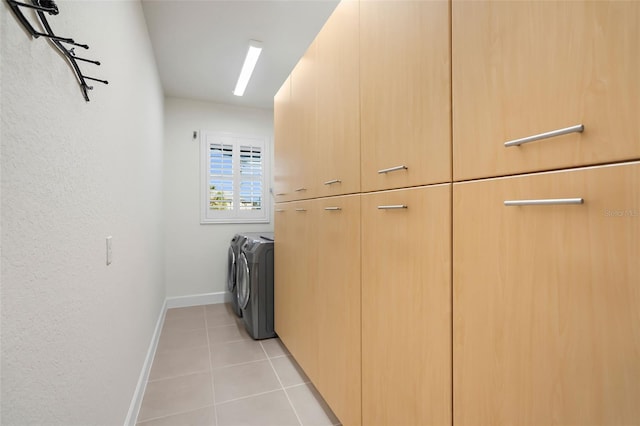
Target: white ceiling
x,y
200,45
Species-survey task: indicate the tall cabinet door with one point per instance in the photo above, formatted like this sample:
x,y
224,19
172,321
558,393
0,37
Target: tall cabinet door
x,y
524,68
295,282
406,307
405,93
283,284
304,84
338,305
547,299
282,129
339,103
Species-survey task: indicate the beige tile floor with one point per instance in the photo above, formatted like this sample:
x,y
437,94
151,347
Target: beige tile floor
x,y
208,371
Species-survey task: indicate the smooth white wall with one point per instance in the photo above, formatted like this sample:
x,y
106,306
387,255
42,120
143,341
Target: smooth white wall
x,y
75,331
196,255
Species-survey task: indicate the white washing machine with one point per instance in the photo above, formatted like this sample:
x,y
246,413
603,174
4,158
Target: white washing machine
x,y
255,286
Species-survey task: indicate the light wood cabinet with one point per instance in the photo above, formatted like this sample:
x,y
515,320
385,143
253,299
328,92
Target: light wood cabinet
x,y
284,292
405,93
338,129
295,292
283,137
547,300
417,301
406,307
286,247
521,68
317,295
304,84
338,305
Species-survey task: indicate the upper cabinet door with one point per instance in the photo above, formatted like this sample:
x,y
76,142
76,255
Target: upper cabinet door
x,y
304,85
282,129
339,103
405,93
526,68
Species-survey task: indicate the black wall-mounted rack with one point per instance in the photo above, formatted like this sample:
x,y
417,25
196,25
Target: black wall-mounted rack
x,y
49,7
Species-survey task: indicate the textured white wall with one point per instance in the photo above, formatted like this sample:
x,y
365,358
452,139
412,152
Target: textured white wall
x,y
74,331
196,255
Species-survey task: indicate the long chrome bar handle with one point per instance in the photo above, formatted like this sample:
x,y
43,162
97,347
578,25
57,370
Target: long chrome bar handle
x,y
392,207
331,182
393,169
301,210
300,189
579,128
333,208
544,202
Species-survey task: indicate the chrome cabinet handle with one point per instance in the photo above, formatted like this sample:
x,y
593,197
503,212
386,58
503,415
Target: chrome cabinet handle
x,y
393,169
573,129
281,193
300,189
392,207
544,202
331,182
333,208
301,210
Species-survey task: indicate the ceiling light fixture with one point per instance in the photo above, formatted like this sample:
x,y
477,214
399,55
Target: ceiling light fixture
x,y
255,48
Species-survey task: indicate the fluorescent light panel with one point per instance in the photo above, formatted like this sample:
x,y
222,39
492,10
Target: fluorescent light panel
x,y
255,48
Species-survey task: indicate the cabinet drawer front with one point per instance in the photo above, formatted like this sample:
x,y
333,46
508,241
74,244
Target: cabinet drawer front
x,y
405,86
547,298
526,68
406,307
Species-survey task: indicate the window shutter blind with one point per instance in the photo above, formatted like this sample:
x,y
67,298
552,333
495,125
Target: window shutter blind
x,y
235,169
251,176
221,193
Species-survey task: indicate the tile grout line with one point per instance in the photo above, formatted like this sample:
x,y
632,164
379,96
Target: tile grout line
x,y
297,385
253,361
224,325
232,341
178,413
240,398
164,329
281,385
213,388
278,356
179,375
239,364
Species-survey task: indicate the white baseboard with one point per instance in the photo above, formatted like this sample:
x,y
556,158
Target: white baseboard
x,y
136,402
197,299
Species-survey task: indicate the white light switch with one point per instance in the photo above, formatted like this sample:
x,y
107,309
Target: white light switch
x,y
109,251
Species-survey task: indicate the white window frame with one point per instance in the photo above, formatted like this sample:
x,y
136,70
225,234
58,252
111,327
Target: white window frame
x,y
236,215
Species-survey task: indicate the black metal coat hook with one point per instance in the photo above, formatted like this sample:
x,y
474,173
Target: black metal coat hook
x,y
49,6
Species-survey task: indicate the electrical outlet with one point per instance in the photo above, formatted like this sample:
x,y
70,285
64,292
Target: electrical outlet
x,y
109,251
